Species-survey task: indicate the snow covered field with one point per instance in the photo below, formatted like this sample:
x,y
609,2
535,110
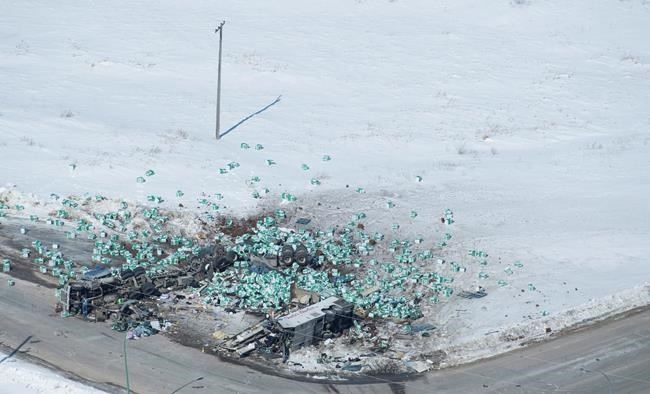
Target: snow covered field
x,y
529,118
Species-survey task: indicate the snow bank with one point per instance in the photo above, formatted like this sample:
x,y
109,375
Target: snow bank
x,y
20,377
503,339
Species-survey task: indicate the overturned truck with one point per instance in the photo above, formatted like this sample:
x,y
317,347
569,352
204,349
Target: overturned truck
x,y
103,290
307,326
316,322
103,293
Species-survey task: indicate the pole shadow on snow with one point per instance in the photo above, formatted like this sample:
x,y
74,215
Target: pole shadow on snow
x,y
16,349
277,100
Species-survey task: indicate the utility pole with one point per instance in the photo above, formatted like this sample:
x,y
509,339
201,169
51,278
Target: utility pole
x,y
220,31
126,366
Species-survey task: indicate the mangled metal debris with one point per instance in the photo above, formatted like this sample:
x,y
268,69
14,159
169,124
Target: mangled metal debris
x,y
316,322
303,327
121,295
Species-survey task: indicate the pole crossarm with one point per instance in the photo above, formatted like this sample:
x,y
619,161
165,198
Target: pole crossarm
x,y
220,26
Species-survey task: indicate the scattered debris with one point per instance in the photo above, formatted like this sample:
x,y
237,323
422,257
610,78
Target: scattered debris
x,y
421,327
418,366
473,294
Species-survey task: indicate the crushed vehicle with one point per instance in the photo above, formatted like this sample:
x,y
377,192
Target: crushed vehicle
x,y
108,291
303,327
316,322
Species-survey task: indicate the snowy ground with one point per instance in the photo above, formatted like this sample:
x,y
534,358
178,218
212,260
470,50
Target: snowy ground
x,y
20,377
528,118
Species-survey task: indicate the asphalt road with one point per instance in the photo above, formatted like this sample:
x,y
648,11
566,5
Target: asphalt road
x,y
613,357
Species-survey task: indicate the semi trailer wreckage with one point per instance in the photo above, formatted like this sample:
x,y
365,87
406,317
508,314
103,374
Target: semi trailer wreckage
x,y
127,299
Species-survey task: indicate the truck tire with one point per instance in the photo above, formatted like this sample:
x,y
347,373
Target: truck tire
x,y
301,255
138,271
126,274
286,255
231,256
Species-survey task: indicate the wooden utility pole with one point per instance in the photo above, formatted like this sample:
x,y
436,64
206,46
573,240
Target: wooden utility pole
x,y
220,31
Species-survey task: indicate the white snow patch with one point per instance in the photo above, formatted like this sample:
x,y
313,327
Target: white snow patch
x,y
21,377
